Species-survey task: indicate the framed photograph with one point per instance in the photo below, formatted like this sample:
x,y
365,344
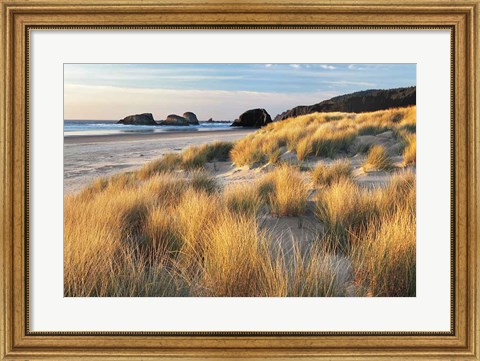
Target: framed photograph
x,y
239,180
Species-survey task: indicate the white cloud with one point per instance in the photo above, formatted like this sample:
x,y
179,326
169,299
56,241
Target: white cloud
x,y
295,66
268,65
346,82
104,102
356,67
328,67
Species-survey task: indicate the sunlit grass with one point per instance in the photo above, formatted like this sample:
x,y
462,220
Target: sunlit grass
x,y
343,207
174,229
376,228
328,141
202,181
304,148
318,134
377,158
410,152
324,174
287,192
384,256
169,162
243,199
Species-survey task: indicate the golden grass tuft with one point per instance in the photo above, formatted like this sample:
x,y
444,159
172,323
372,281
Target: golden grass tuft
x,y
328,141
193,158
372,129
327,174
304,148
271,149
194,214
377,158
410,151
165,188
235,256
247,152
168,163
202,181
376,229
217,151
384,258
243,199
289,192
161,231
294,136
342,207
316,273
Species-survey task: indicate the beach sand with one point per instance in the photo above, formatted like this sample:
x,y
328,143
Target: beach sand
x,y
89,157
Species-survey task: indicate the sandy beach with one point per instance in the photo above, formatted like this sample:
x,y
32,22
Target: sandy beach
x,y
89,157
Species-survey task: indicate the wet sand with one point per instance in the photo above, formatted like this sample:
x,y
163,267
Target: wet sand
x,y
89,157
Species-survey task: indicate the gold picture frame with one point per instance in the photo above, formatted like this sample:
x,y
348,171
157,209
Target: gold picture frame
x,y
21,16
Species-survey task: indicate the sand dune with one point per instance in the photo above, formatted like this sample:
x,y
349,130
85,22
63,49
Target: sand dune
x,y
319,205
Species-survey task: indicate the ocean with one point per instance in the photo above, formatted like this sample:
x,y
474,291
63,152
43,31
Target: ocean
x,y
107,127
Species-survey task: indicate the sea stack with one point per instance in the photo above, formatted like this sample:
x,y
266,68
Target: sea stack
x,y
174,119
253,118
191,118
138,119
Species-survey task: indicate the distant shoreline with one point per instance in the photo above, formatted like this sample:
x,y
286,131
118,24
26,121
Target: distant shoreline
x,y
116,120
116,137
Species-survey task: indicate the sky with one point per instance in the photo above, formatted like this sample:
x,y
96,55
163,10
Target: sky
x,y
218,91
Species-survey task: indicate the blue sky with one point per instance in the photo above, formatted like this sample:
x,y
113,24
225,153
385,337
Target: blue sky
x,y
221,91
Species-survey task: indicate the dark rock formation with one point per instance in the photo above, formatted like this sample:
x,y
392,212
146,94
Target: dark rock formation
x,y
210,120
174,119
253,118
191,118
138,119
359,102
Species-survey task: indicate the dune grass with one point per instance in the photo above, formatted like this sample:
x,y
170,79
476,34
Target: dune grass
x,y
201,180
243,199
378,159
384,255
368,129
410,151
377,230
104,251
194,157
328,141
172,229
169,162
248,152
344,207
304,148
271,149
324,174
134,243
319,134
285,190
